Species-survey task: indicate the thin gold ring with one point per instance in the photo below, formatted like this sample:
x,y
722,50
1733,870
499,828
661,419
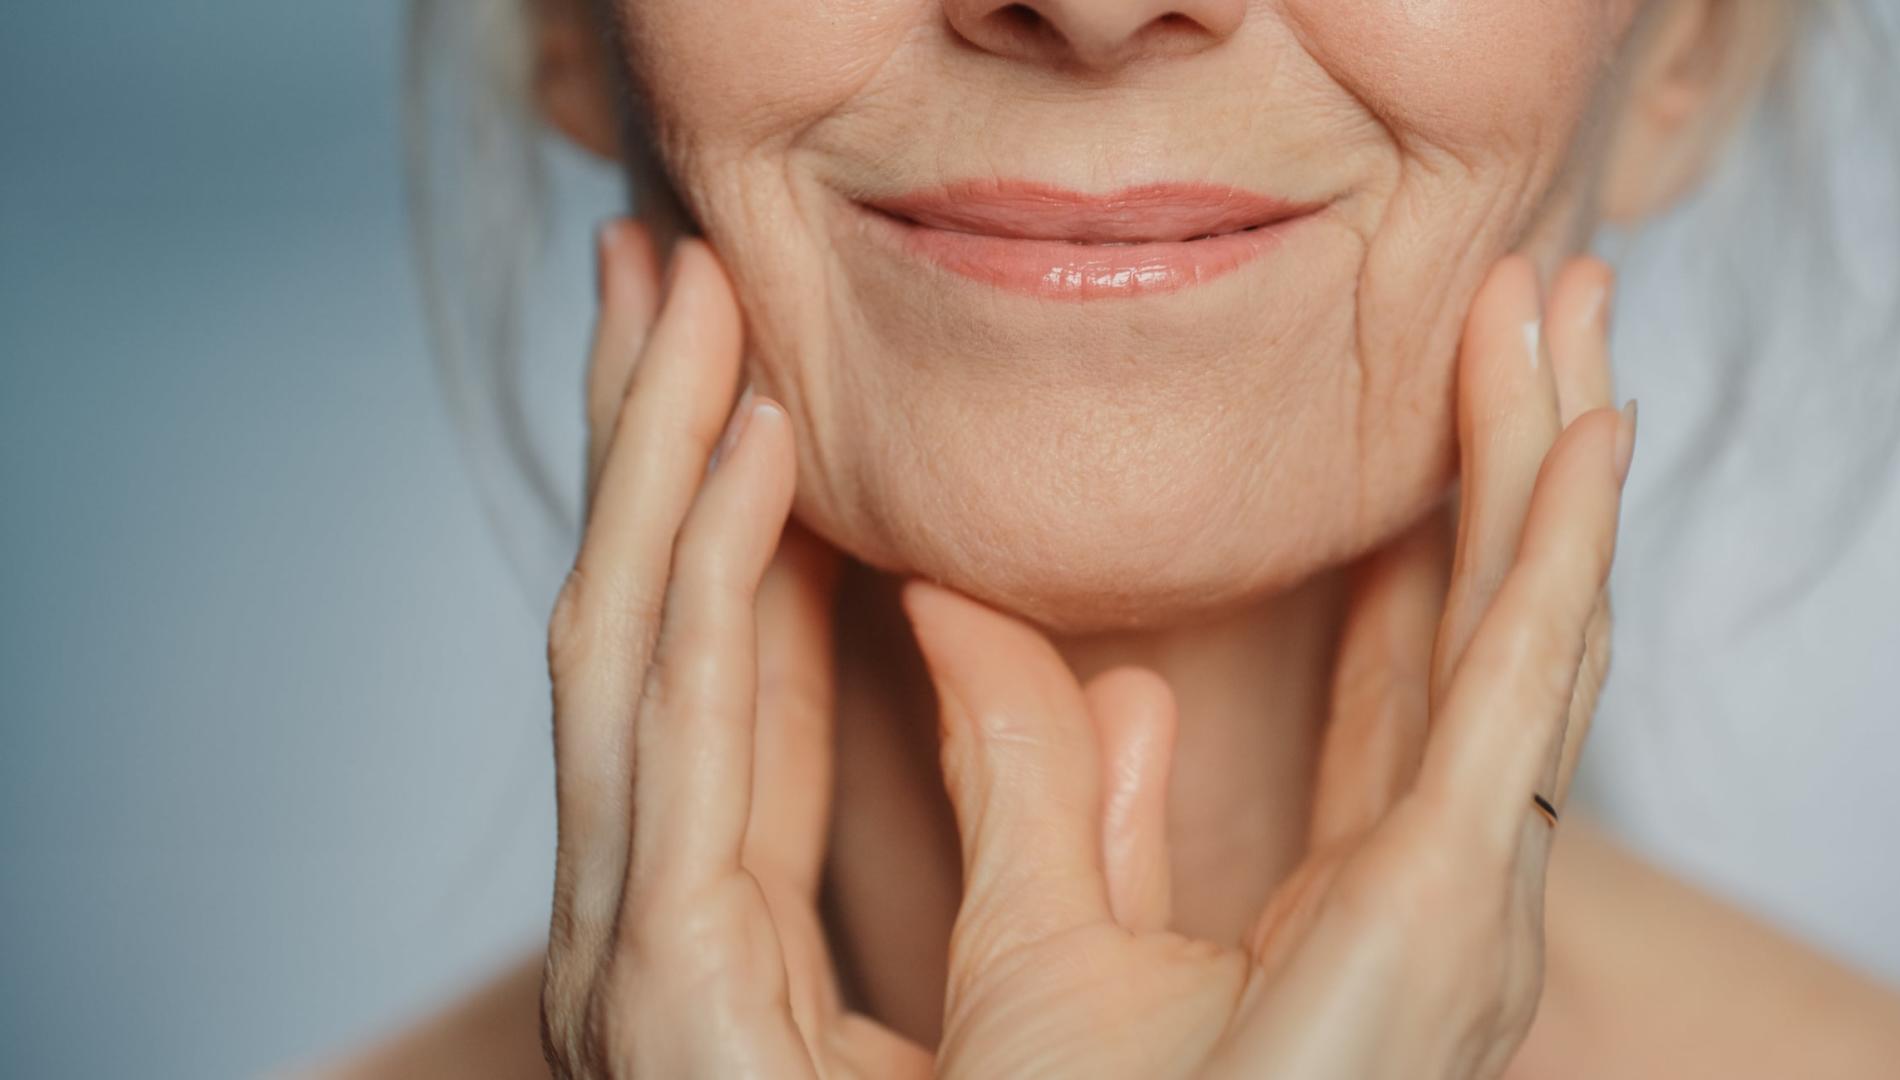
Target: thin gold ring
x,y
1544,808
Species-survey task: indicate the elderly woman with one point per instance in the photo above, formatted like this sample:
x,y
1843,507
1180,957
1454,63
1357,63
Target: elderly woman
x,y
1142,612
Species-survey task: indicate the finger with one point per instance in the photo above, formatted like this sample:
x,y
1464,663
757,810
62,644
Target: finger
x,y
1381,682
791,782
601,631
1507,419
1022,770
697,722
1592,674
1134,713
1578,332
628,282
1502,723
1580,357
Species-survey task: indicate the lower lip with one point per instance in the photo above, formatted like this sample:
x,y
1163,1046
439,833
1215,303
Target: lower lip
x,y
1062,270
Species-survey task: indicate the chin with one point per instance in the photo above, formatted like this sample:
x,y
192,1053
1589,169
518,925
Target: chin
x,y
1082,527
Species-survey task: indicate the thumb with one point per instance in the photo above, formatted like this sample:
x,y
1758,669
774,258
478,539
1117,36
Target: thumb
x,y
1135,714
1021,765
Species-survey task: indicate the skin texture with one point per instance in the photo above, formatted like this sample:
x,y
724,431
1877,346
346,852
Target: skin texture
x,y
686,941
1197,452
686,938
1179,676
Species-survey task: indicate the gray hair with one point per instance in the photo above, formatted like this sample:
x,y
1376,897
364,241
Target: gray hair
x,y
1784,196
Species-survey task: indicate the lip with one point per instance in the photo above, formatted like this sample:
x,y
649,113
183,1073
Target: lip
x,y
1055,243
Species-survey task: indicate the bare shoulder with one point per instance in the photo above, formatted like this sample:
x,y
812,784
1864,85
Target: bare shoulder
x,y
493,1032
1649,976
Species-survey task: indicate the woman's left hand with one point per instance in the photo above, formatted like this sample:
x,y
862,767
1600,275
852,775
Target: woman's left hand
x,y
1409,943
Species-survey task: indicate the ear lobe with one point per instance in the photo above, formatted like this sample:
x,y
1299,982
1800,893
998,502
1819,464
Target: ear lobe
x,y
573,78
1697,68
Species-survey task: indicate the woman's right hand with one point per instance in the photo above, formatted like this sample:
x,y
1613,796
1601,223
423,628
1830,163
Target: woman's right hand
x,y
692,710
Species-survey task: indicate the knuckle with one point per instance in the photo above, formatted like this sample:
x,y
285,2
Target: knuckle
x,y
563,927
609,1036
595,618
591,1014
1540,656
600,1002
566,1035
685,673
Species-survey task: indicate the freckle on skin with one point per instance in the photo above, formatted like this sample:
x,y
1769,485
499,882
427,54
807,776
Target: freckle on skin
x,y
1533,339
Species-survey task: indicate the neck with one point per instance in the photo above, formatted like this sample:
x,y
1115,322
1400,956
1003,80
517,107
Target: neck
x,y
1252,688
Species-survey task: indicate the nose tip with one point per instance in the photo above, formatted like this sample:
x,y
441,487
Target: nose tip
x,y
1094,34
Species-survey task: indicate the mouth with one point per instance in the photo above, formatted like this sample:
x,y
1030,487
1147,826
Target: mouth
x,y
1055,243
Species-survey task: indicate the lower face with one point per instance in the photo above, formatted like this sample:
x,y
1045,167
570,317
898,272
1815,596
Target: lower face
x,y
1141,427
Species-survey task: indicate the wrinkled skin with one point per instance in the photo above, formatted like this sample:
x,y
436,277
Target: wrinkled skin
x,y
1079,467
1194,450
692,638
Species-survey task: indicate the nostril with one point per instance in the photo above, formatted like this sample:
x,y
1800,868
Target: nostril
x,y
1024,23
1096,35
1020,17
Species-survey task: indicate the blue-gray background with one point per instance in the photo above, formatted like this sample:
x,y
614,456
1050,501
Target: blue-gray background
x,y
274,772
271,703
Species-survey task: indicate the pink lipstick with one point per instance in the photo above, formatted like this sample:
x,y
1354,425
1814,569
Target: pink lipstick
x,y
1055,243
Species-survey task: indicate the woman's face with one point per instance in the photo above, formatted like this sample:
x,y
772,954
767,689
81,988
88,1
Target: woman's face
x,y
1096,435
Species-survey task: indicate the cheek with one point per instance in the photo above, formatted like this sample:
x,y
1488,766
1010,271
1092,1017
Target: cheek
x,y
743,74
1463,74
1483,101
733,87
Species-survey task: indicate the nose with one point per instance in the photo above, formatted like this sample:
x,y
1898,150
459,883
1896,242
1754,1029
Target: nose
x,y
1098,35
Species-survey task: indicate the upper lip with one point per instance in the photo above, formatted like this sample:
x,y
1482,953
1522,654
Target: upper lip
x,y
1145,213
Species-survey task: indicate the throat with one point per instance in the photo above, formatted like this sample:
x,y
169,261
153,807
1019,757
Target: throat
x,y
1252,689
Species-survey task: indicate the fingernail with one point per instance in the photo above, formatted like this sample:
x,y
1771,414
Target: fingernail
x,y
1534,340
735,427
1626,441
